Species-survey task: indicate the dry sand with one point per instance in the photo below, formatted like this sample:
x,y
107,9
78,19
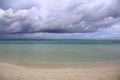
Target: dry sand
x,y
88,71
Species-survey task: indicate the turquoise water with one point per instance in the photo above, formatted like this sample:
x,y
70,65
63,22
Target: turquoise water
x,y
60,51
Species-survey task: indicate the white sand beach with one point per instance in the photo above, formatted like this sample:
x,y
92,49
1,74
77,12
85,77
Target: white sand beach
x,y
93,71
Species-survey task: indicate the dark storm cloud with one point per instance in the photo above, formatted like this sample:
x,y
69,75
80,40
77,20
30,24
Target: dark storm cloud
x,y
85,16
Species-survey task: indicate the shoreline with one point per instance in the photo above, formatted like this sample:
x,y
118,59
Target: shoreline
x,y
68,64
62,64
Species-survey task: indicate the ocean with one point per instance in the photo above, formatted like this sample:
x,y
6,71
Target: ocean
x,y
60,50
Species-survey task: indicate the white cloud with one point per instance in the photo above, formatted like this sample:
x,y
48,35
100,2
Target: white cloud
x,y
67,18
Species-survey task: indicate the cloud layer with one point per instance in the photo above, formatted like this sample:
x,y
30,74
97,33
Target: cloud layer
x,y
71,19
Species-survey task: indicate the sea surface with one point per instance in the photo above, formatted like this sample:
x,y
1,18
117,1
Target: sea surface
x,y
60,50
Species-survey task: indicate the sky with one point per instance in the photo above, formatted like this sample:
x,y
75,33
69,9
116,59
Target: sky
x,y
59,19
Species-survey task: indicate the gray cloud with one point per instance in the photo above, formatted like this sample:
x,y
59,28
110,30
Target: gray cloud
x,y
18,4
78,16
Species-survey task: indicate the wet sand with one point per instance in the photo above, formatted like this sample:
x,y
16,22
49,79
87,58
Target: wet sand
x,y
60,71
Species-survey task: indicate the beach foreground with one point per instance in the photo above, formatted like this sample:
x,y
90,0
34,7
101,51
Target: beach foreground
x,y
96,71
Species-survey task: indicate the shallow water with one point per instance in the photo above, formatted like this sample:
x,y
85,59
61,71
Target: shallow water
x,y
60,51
